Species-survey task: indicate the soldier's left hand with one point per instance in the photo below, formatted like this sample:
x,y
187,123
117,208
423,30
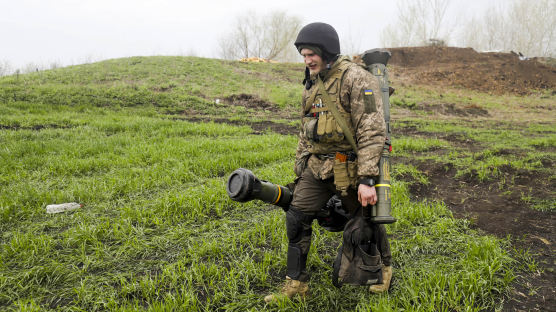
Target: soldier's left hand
x,y
366,195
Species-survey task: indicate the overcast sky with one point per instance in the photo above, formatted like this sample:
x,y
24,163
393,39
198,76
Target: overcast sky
x,y
76,31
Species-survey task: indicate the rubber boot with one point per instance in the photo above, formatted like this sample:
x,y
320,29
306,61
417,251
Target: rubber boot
x,y
386,278
290,289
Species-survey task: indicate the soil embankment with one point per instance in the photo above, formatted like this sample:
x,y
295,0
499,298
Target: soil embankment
x,y
490,72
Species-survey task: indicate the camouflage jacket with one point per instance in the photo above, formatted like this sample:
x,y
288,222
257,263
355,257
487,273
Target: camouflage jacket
x,y
364,108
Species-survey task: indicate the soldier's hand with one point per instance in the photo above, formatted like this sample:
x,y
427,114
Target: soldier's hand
x,y
366,195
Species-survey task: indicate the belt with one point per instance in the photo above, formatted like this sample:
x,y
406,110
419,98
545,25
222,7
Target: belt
x,y
350,156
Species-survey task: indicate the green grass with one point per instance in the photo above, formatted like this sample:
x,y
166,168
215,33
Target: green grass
x,y
414,96
403,170
157,230
406,146
171,85
487,152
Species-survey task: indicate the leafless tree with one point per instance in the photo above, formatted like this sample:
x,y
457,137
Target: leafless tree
x,y
523,26
487,31
280,31
350,43
31,68
270,36
55,64
418,22
5,68
533,27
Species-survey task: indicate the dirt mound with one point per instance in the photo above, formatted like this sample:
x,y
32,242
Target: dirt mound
x,y
250,101
34,127
496,73
452,109
259,127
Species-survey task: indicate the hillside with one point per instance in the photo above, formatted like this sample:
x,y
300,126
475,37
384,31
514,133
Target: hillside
x,y
146,144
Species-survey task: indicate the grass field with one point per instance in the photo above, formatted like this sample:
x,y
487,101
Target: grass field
x,y
157,231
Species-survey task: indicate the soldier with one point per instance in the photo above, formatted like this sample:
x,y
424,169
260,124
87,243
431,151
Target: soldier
x,y
334,156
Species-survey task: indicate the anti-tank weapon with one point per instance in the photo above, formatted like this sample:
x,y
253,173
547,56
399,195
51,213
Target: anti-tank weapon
x,y
376,61
244,186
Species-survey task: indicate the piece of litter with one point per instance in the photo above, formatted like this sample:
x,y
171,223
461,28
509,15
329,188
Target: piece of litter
x,y
542,239
62,207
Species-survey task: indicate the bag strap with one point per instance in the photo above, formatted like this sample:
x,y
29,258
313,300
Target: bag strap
x,y
336,72
334,110
336,268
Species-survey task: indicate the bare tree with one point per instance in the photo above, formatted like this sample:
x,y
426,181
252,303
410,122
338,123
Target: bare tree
x,y
55,64
533,24
438,12
280,32
401,33
267,36
31,67
524,26
485,32
418,22
351,43
5,68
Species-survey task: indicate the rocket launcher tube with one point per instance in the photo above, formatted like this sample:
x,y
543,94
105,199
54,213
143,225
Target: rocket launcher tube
x,y
381,210
376,61
244,186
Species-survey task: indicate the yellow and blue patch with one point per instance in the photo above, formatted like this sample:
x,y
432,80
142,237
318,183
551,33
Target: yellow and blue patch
x,y
370,104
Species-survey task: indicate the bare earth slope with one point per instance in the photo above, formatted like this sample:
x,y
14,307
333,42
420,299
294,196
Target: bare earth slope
x,y
494,73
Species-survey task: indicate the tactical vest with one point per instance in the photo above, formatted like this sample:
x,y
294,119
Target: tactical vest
x,y
319,126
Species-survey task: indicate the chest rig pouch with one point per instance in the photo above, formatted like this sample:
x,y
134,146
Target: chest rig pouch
x,y
358,261
328,126
320,125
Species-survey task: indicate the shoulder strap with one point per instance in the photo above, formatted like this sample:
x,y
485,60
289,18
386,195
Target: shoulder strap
x,y
310,101
334,110
338,71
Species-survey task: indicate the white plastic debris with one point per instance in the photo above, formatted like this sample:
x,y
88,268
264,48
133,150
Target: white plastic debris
x,y
62,207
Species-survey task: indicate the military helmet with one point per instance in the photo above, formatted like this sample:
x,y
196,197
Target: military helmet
x,y
321,35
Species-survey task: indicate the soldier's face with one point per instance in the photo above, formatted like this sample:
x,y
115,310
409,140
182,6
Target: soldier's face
x,y
313,61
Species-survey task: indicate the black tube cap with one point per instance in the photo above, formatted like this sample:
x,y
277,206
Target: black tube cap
x,y
374,56
240,185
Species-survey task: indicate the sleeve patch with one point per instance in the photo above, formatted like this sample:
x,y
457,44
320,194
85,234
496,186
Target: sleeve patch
x,y
370,104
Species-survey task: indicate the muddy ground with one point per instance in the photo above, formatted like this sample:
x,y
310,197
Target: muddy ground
x,y
491,209
494,73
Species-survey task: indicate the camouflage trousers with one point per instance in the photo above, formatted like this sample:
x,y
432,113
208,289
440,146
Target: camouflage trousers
x,y
309,198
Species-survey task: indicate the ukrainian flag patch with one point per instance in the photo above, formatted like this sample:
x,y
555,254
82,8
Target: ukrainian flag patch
x,y
370,104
